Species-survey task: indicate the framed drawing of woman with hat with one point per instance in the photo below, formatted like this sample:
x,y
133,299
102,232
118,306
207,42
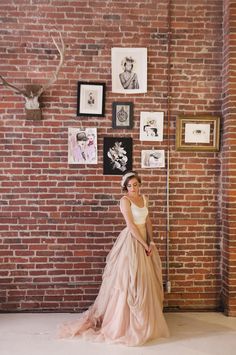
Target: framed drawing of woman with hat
x,y
129,70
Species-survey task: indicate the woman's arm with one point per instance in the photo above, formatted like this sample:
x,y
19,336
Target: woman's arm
x,y
125,83
149,230
126,211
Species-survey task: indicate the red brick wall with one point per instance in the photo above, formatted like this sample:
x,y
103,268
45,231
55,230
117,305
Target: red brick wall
x,y
58,222
228,157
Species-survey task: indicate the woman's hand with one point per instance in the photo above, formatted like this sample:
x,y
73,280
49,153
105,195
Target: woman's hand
x,y
150,249
147,249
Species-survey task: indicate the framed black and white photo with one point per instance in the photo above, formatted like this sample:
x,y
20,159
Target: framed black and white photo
x,y
117,155
129,70
151,126
91,99
198,133
122,115
152,159
82,145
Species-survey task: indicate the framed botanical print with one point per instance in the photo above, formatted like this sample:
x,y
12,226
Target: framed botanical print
x,y
91,99
117,155
198,133
122,115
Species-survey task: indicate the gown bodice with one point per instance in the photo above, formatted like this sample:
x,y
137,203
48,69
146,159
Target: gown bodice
x,y
139,213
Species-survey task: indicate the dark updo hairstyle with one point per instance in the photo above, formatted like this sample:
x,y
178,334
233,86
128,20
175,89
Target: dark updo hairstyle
x,y
125,182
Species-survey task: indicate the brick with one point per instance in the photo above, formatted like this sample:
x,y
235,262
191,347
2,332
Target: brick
x,y
59,219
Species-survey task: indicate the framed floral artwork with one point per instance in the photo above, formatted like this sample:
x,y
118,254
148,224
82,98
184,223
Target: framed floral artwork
x,y
117,155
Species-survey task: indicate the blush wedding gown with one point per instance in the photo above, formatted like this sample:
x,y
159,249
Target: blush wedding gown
x,y
128,308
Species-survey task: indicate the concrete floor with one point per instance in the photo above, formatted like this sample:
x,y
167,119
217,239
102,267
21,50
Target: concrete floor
x,y
191,334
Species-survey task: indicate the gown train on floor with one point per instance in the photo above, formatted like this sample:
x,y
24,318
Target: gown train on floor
x,y
128,308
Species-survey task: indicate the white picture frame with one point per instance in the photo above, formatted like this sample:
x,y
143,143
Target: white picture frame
x,y
151,159
129,70
82,145
151,126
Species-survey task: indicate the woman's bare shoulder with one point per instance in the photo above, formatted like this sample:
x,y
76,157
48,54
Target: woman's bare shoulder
x,y
125,200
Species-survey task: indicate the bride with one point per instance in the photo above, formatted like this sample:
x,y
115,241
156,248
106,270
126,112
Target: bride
x,y
128,308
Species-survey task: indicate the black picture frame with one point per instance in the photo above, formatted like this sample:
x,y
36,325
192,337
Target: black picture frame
x,y
117,155
122,115
91,98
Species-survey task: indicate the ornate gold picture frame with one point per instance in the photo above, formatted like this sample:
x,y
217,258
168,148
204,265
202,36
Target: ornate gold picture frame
x,y
198,133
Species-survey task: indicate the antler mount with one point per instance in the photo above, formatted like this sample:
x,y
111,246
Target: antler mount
x,y
31,93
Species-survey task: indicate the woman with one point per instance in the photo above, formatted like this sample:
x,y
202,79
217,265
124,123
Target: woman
x,y
80,150
128,79
128,308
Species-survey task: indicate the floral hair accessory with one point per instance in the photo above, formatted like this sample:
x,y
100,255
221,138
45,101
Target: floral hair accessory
x,y
124,177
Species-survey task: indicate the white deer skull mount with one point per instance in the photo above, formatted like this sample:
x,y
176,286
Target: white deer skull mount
x,y
31,93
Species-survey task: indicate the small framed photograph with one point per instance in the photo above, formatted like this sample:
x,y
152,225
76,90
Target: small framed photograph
x,y
82,145
151,126
117,155
91,99
122,115
198,133
129,70
152,159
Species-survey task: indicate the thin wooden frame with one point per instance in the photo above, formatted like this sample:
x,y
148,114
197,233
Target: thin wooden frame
x,y
198,133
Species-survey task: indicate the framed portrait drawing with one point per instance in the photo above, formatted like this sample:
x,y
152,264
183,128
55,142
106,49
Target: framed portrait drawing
x,y
151,159
122,115
91,99
82,145
117,155
151,126
198,133
129,70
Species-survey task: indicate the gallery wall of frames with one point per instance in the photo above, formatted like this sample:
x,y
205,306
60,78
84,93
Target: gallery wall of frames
x,y
106,113
129,77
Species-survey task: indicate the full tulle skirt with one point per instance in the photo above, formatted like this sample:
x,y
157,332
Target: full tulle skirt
x,y
128,308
